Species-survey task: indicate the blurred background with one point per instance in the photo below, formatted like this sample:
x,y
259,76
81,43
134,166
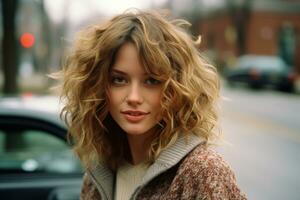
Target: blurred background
x,y
255,45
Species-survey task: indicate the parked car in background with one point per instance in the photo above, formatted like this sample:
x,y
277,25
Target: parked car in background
x,y
36,161
261,71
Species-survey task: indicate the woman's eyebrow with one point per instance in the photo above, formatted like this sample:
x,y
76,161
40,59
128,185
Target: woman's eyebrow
x,y
117,71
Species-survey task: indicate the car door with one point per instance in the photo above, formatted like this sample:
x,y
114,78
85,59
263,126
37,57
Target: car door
x,y
35,160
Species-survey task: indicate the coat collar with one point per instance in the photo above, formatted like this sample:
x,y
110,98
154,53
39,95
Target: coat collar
x,y
171,156
103,177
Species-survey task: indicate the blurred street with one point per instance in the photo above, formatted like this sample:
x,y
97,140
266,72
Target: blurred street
x,y
263,129
253,42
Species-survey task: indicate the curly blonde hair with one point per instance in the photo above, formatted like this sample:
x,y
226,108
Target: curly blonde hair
x,y
168,53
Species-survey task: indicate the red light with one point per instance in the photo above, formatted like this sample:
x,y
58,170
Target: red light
x,y
27,40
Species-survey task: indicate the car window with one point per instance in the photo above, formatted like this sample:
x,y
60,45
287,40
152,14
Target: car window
x,y
30,150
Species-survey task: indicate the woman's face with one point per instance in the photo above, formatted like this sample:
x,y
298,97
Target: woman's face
x,y
134,95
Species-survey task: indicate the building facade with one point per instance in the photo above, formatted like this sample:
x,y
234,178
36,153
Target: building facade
x,y
260,27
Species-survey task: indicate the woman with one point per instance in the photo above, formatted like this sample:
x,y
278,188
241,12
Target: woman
x,y
140,106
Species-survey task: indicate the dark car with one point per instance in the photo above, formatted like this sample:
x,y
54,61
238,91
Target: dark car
x,y
36,161
261,71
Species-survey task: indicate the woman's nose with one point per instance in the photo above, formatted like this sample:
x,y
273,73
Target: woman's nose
x,y
134,95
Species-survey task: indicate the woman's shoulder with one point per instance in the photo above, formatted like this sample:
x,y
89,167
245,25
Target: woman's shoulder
x,y
210,173
203,157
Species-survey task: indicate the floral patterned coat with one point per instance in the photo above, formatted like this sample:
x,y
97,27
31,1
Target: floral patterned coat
x,y
184,171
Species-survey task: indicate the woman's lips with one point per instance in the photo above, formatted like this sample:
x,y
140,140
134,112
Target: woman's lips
x,y
134,116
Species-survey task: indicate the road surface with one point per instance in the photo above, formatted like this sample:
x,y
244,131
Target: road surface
x,y
263,129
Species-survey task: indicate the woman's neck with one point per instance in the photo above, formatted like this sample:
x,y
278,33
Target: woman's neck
x,y
139,146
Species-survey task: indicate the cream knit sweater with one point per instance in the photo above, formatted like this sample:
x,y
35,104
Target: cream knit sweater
x,y
128,179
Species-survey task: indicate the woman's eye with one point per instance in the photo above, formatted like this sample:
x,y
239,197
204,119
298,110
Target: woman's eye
x,y
118,80
152,81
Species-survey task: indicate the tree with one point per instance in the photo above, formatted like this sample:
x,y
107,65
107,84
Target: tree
x,y
240,14
9,47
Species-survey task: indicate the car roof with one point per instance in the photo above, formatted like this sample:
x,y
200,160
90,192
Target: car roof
x,y
262,61
46,108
